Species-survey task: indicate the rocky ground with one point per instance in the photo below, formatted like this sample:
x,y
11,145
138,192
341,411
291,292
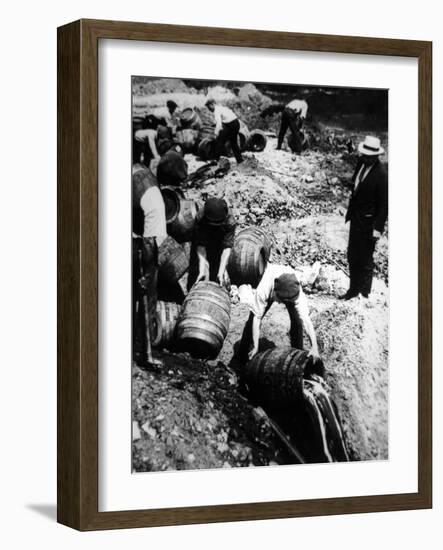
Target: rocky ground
x,y
194,414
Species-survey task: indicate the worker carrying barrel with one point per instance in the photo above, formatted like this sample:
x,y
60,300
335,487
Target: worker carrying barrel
x,y
213,239
148,233
279,283
227,127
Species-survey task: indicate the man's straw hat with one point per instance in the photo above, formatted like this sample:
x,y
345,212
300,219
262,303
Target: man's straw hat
x,y
370,146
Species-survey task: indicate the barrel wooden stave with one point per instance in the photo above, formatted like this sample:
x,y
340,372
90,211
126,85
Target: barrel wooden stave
x,y
172,261
189,118
257,141
275,376
206,148
204,320
171,198
168,314
182,226
249,256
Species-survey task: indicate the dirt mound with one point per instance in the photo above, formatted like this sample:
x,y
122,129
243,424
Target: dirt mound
x,y
191,415
253,195
250,93
353,339
145,86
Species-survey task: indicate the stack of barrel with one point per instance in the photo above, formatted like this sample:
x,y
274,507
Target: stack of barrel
x,y
173,262
200,323
199,326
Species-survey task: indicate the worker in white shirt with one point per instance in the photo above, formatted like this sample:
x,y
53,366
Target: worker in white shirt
x,y
148,233
279,283
145,143
293,116
227,127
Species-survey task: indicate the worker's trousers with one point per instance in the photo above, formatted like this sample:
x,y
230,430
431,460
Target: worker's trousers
x,y
229,134
360,258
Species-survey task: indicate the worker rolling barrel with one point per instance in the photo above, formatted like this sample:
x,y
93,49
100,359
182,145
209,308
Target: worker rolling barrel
x,y
213,239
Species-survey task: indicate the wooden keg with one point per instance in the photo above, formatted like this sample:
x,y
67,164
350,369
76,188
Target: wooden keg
x,y
249,256
204,320
181,227
172,261
171,197
189,118
275,376
206,148
166,320
257,141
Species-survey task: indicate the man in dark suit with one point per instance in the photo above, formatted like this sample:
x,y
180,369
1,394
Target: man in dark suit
x,y
367,214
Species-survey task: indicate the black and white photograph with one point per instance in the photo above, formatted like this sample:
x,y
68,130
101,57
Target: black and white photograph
x,y
260,274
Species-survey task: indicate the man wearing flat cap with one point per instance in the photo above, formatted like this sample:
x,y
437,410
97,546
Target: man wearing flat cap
x,y
367,214
279,283
214,234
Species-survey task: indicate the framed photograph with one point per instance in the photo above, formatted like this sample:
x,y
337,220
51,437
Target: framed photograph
x,y
244,275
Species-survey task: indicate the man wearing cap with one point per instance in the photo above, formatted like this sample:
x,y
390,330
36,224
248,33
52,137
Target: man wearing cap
x,y
227,127
279,283
293,116
214,234
367,214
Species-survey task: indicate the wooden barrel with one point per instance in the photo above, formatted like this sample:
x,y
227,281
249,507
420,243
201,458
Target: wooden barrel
x,y
205,149
243,136
171,197
207,128
189,118
137,123
298,143
249,256
204,320
257,141
275,376
187,139
181,227
166,321
172,261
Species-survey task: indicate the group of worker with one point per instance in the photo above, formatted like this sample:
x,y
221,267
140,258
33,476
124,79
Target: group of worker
x,y
160,126
215,228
